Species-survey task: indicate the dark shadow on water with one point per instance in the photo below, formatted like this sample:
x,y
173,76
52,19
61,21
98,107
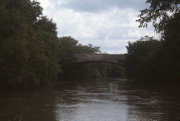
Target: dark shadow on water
x,y
28,106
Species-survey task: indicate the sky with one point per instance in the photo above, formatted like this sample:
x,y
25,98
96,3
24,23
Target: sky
x,y
109,24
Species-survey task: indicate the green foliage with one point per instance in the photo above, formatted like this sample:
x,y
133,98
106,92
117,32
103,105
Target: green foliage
x,y
171,49
67,47
27,45
157,61
138,59
158,13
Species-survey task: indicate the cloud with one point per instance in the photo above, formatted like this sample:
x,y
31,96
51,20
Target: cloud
x,y
98,5
109,24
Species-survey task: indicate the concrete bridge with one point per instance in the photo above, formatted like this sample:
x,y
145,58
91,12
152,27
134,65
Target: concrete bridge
x,y
104,58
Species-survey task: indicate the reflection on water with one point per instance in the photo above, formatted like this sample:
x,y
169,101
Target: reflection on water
x,y
97,100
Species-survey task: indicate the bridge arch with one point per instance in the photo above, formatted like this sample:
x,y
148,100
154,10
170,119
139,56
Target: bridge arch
x,y
99,58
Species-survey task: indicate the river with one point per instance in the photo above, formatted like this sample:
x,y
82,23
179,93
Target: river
x,y
92,100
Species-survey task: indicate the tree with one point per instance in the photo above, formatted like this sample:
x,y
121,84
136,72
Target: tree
x,y
141,59
27,45
67,47
158,13
171,49
165,16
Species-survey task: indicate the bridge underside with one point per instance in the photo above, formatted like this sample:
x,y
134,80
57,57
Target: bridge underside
x,y
100,58
105,62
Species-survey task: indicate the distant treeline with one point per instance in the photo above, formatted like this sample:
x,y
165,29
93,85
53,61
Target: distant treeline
x,y
31,53
149,60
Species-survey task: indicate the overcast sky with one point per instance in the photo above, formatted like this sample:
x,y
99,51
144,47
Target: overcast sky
x,y
109,24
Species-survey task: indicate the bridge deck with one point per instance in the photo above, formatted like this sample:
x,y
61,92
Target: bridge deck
x,y
109,58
